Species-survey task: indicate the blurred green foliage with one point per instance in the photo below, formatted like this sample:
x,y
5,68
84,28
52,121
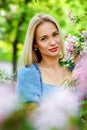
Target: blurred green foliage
x,y
17,121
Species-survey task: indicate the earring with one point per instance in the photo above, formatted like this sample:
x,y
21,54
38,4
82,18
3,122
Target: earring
x,y
35,49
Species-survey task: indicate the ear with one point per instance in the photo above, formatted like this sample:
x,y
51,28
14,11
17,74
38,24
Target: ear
x,y
35,45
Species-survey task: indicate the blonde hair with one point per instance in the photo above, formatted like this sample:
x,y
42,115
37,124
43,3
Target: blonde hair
x,y
29,55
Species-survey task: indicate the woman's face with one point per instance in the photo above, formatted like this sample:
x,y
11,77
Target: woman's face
x,y
48,39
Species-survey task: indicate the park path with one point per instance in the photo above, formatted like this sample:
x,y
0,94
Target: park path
x,y
7,66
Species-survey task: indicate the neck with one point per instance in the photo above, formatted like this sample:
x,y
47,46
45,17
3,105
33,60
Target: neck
x,y
50,63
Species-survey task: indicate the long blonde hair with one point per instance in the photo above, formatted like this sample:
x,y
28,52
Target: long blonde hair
x,y
29,55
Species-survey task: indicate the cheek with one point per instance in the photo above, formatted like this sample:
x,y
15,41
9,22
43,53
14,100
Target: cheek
x,y
41,46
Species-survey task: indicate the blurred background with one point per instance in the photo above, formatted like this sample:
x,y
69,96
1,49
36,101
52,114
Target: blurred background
x,y
14,18
16,14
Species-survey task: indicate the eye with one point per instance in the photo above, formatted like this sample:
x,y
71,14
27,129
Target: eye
x,y
43,38
55,34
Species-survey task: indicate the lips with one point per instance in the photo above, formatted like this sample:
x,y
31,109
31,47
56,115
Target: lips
x,y
53,49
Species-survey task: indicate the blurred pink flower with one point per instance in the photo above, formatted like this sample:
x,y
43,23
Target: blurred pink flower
x,y
81,76
84,33
8,101
55,110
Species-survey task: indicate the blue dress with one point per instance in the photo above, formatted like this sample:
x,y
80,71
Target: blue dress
x,y
30,85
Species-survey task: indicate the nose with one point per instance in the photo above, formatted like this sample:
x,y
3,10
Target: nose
x,y
52,41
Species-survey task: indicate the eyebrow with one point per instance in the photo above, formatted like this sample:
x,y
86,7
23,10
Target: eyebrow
x,y
57,31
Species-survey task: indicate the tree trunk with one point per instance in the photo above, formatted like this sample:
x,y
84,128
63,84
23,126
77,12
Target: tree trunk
x,y
15,50
14,59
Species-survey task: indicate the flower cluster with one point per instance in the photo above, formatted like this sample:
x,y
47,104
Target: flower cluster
x,y
71,45
75,46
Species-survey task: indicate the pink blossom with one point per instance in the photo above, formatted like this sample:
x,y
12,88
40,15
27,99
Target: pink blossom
x,y
72,39
55,110
70,47
84,51
8,101
71,43
84,34
81,75
85,40
66,56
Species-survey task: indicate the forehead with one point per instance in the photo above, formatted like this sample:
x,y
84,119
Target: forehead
x,y
46,28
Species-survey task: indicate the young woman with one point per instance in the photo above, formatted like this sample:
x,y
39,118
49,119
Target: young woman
x,y
41,73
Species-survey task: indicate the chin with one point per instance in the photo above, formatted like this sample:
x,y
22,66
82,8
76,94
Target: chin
x,y
54,55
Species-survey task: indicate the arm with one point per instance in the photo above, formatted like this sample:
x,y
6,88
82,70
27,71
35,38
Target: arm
x,y
29,88
29,107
